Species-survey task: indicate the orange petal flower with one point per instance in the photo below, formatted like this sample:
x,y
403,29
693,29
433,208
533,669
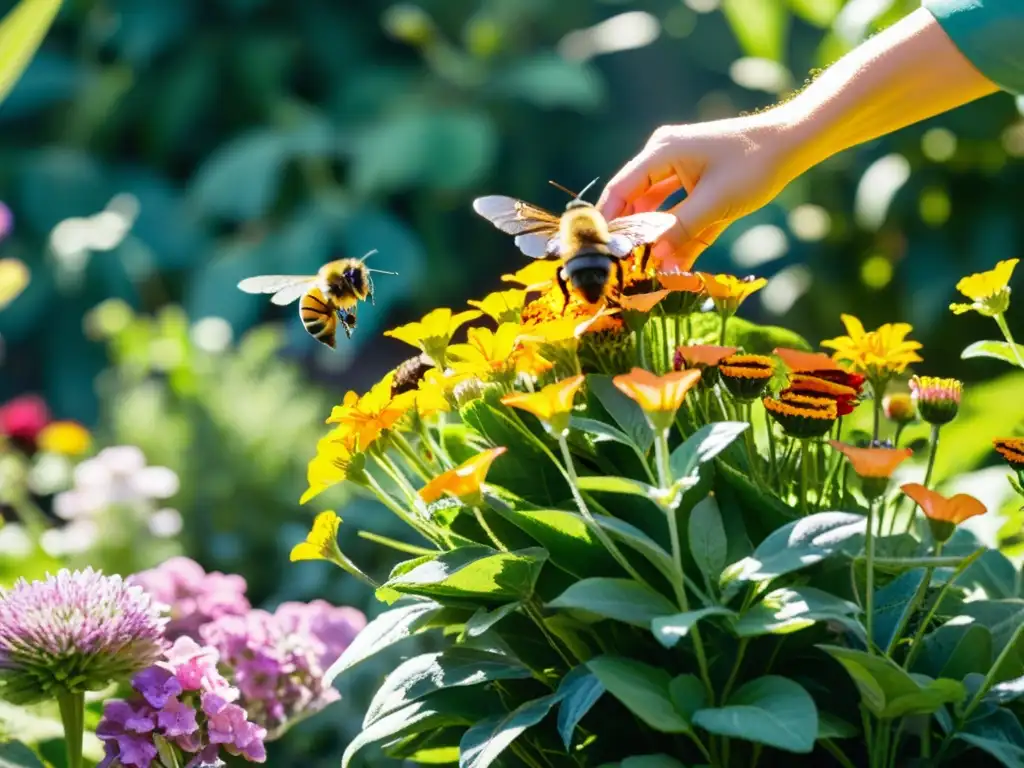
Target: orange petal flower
x,y
873,462
551,404
642,302
464,481
937,507
658,396
703,355
806,362
677,280
1011,449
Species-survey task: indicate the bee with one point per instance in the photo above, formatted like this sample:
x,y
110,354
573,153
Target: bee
x,y
589,246
327,298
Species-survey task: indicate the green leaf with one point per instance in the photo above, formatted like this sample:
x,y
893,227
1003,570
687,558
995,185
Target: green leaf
x,y
832,727
994,573
21,32
888,691
626,413
620,599
688,695
548,80
999,350
671,629
702,446
472,573
385,630
892,603
430,672
770,710
955,651
759,25
601,431
786,610
651,761
484,619
608,484
820,13
485,741
643,689
799,544
14,754
999,733
579,691
707,538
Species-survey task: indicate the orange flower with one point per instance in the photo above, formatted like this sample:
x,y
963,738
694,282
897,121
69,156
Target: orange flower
x,y
873,462
642,302
677,280
702,355
464,481
552,404
746,376
844,397
806,362
728,291
1011,449
943,513
802,419
658,396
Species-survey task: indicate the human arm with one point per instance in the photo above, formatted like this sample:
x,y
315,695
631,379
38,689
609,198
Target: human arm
x,y
729,168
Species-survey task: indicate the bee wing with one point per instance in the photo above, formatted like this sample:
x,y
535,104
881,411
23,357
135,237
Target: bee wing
x,y
629,232
286,288
535,229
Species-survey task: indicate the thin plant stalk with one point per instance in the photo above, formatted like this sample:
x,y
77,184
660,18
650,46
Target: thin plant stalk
x,y
869,587
1001,322
933,449
803,477
72,715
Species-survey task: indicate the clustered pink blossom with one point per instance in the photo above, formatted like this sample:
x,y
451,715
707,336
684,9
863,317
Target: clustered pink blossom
x,y
195,597
182,703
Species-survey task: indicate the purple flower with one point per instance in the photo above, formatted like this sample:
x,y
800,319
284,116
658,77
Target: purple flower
x,y
74,632
177,719
195,596
156,685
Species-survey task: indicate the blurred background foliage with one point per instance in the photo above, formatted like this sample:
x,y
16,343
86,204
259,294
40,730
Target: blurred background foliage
x,y
154,153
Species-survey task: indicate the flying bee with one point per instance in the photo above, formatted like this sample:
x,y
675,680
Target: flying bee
x,y
589,246
329,296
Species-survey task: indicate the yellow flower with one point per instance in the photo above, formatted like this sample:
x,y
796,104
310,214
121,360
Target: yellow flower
x,y
551,404
322,540
365,418
989,292
658,396
433,395
335,462
487,353
434,331
502,306
14,276
65,437
877,354
728,291
538,275
464,481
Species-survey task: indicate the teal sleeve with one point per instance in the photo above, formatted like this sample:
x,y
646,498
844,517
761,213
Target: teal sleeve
x,y
990,33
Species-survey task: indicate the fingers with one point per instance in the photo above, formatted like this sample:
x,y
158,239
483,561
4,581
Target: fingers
x,y
700,218
632,181
652,199
682,257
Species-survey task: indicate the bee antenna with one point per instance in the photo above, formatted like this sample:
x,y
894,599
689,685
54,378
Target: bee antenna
x,y
584,190
368,254
564,189
380,271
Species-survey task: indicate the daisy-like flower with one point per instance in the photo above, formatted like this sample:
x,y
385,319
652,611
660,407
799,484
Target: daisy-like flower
x,y
322,540
843,396
746,376
899,408
802,417
433,333
658,396
494,355
877,354
538,275
335,462
728,291
74,632
364,418
552,404
874,465
1011,449
68,438
938,400
943,513
502,306
989,291
434,394
464,481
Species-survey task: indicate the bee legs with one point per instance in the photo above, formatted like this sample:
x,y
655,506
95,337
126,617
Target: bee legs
x,y
563,287
369,290
348,321
645,258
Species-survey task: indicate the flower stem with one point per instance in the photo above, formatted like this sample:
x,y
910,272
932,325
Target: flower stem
x,y
721,336
933,449
869,596
72,715
1001,322
752,454
803,477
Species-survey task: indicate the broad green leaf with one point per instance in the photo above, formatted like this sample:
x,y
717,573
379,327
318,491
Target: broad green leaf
x,y
770,710
21,32
636,539
955,651
799,544
620,599
430,672
651,761
832,727
486,740
472,573
892,602
688,695
14,754
626,413
1004,619
786,610
579,691
999,350
888,691
609,484
759,25
992,572
1009,690
704,445
643,689
999,733
385,630
484,619
671,629
601,431
708,544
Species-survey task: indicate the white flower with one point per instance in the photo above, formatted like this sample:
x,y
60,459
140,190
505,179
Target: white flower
x,y
165,523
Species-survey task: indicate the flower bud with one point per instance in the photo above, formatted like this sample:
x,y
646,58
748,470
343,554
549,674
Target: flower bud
x,y
938,400
899,408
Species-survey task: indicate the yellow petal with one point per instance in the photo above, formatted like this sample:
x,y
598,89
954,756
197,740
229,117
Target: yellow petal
x,y
14,276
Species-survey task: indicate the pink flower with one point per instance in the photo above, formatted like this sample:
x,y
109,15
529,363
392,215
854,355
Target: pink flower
x,y
23,418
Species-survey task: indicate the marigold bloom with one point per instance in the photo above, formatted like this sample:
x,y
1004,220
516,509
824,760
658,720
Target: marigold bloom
x,y
1011,449
538,275
746,376
943,513
899,408
322,540
802,419
659,396
14,276
365,417
877,354
434,331
799,361
551,404
642,302
68,438
728,291
989,291
502,306
874,462
547,318
74,632
843,396
464,481
938,400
